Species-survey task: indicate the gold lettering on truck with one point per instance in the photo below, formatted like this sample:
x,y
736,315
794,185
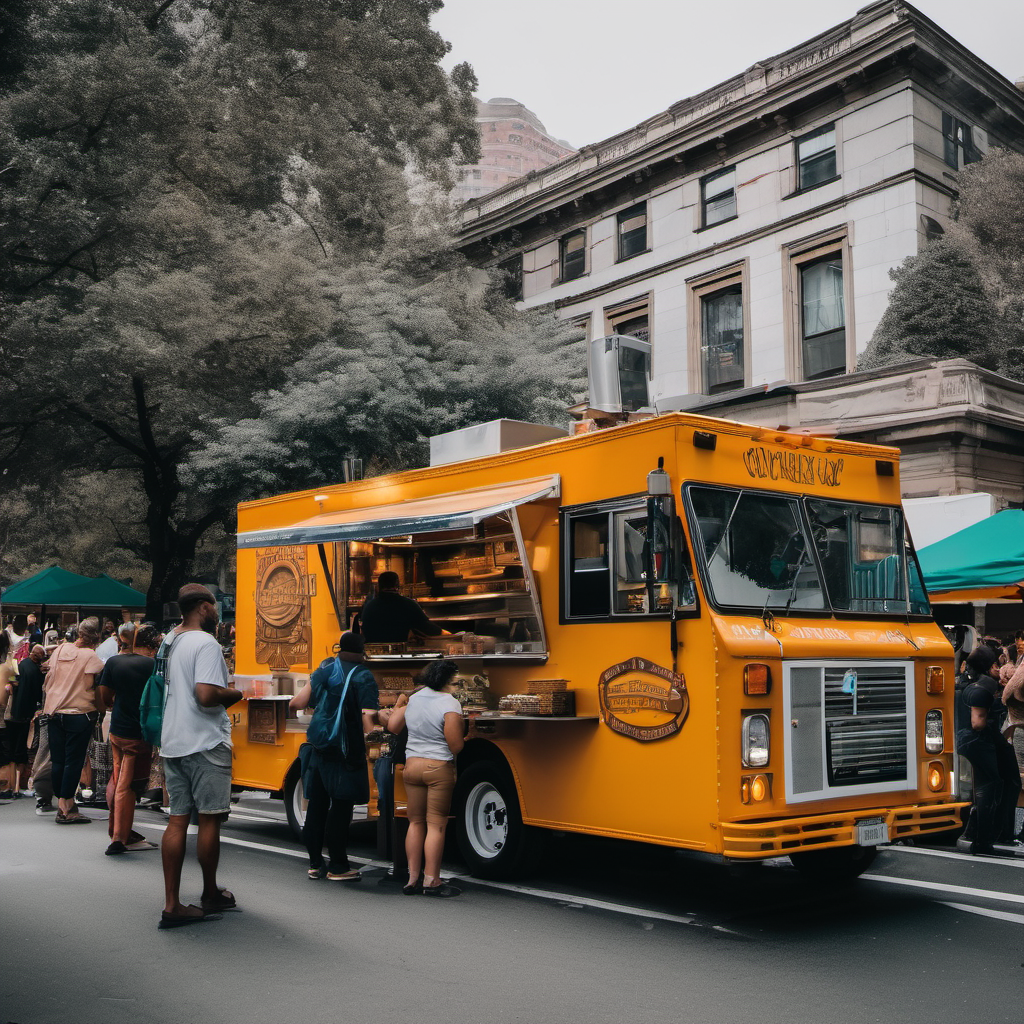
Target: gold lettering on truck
x,y
642,700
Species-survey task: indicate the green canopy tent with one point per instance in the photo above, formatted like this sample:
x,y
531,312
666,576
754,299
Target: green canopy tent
x,y
982,562
58,587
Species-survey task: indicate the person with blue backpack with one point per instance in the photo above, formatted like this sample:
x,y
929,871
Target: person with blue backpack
x,y
333,760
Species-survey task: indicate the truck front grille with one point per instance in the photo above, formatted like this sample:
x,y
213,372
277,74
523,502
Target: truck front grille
x,y
849,727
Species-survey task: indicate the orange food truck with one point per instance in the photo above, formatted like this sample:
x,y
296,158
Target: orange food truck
x,y
681,630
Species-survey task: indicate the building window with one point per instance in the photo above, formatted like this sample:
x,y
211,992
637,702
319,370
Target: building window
x,y
492,127
822,317
958,142
718,197
632,318
510,278
572,255
721,335
515,140
632,231
816,158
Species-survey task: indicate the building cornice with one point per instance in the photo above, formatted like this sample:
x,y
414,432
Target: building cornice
x,y
838,59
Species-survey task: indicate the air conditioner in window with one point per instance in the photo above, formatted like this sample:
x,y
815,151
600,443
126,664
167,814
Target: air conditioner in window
x,y
620,374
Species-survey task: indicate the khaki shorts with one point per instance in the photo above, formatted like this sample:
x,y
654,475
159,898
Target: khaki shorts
x,y
428,790
200,782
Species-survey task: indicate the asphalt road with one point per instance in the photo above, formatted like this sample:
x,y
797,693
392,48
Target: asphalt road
x,y
608,931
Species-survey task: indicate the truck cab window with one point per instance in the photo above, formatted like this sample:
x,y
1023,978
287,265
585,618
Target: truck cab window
x,y
627,559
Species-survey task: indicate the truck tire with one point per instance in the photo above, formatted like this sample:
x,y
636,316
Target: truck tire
x,y
837,864
492,838
294,801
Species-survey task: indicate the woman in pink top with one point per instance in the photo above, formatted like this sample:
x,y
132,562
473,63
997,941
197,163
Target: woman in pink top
x,y
72,710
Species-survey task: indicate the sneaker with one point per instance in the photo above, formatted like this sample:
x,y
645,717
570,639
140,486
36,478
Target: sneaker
x,y
1013,847
26,792
7,794
115,847
44,807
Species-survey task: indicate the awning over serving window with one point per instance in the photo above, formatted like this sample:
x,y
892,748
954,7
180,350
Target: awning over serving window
x,y
460,510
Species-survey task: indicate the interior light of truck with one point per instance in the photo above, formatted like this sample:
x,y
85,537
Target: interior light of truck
x,y
755,741
935,679
933,738
755,788
757,680
936,776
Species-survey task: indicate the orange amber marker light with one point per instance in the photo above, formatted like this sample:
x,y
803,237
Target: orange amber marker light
x,y
759,788
935,679
757,680
755,788
936,776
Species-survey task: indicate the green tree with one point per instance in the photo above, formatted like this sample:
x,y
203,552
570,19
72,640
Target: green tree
x,y
416,356
937,308
183,182
964,295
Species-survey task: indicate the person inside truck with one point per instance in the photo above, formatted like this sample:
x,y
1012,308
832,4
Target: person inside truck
x,y
390,618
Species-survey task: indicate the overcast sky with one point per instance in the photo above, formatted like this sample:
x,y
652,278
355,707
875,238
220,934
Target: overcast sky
x,y
591,68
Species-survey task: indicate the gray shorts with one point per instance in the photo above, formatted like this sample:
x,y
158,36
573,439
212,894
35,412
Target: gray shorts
x,y
200,782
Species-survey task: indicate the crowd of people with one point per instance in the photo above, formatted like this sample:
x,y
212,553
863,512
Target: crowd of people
x,y
72,725
990,696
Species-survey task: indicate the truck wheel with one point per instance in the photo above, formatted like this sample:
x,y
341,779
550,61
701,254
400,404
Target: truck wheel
x,y
837,864
492,838
295,801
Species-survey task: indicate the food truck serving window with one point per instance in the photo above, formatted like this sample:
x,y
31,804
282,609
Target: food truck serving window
x,y
625,558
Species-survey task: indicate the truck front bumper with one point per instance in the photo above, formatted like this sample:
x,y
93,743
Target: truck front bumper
x,y
753,840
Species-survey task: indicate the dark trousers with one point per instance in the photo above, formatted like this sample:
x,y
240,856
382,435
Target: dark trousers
x,y
327,821
69,743
996,785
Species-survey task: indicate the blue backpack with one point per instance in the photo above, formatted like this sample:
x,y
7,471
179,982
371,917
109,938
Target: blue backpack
x,y
328,734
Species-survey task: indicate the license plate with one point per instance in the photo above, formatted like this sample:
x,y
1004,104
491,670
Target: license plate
x,y
871,833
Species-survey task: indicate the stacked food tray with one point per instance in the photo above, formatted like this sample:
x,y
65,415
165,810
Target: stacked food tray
x,y
545,697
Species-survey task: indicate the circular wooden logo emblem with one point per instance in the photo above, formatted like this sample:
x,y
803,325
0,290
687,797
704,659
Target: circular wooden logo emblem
x,y
642,700
279,594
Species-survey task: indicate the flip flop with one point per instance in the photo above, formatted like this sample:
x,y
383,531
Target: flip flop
x,y
224,900
180,920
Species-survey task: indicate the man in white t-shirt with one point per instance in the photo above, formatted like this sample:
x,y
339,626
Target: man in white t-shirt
x,y
195,743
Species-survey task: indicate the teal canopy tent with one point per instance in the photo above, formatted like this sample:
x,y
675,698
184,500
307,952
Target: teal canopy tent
x,y
58,587
985,560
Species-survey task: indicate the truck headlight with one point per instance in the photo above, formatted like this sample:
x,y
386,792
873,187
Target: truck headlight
x,y
756,743
933,738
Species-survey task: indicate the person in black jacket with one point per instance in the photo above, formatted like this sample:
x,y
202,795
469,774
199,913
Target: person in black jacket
x,y
334,776
996,776
389,617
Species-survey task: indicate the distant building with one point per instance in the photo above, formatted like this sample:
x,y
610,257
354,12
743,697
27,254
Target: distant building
x,y
513,142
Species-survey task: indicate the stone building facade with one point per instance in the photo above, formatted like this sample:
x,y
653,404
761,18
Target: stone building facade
x,y
748,232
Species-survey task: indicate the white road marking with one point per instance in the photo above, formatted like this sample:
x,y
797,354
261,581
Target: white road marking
x,y
999,915
544,894
1008,861
952,890
651,915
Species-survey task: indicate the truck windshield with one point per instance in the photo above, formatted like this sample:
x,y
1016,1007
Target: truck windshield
x,y
756,550
775,552
866,558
